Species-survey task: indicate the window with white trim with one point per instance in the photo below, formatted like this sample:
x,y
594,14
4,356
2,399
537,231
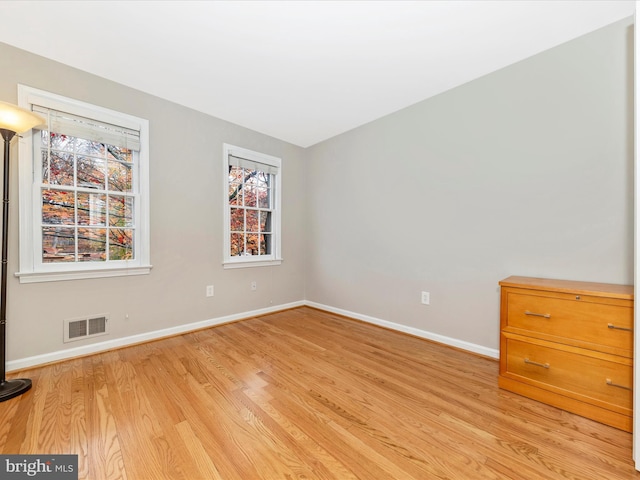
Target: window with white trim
x,y
84,191
251,208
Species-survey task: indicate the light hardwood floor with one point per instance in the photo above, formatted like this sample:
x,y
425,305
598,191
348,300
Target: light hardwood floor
x,y
301,394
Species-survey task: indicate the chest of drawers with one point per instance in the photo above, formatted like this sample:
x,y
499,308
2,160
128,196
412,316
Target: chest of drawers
x,y
569,344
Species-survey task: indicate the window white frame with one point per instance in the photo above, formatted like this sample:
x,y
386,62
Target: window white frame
x,y
32,268
275,164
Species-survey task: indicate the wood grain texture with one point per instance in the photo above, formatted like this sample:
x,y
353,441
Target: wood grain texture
x,y
301,394
609,290
568,348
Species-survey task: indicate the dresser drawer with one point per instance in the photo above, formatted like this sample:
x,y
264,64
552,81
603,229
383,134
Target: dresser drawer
x,y
589,321
581,376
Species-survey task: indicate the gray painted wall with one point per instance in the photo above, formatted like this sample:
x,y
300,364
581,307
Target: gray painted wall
x,y
526,171
186,223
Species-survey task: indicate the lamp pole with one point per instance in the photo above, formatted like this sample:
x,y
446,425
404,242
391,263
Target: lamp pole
x,y
8,388
13,119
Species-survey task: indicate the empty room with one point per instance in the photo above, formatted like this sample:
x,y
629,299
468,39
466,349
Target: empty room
x,y
263,240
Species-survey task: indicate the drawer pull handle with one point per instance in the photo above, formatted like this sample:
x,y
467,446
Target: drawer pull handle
x,y
533,314
615,327
610,382
531,362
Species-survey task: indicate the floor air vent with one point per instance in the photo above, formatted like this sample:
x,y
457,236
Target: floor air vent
x,y
79,328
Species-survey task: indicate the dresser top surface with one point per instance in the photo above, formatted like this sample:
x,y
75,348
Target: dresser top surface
x,y
570,286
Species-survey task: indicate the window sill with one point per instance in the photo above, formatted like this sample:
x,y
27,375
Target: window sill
x,y
251,263
37,277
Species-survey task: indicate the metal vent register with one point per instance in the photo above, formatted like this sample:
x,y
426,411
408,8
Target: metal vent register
x,y
79,328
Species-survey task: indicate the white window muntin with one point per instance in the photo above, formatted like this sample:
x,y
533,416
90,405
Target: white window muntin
x,y
241,157
32,268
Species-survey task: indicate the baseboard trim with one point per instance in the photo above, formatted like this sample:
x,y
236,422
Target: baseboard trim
x,y
38,360
452,342
23,363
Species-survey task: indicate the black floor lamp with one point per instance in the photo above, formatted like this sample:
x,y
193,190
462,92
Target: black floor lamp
x,y
13,120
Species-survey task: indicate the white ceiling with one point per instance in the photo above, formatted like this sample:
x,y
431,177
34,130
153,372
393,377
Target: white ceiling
x,y
301,71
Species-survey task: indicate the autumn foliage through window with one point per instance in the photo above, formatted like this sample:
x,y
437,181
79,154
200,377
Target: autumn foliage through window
x,y
252,186
84,191
87,200
250,214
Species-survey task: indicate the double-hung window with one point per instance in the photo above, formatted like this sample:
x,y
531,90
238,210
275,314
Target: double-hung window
x,y
251,208
83,191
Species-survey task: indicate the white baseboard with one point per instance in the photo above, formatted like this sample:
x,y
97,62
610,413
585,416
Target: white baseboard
x,y
28,362
36,360
453,342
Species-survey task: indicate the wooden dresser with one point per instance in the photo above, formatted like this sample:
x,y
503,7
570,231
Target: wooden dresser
x,y
569,344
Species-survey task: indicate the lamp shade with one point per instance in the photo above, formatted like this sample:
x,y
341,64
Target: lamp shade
x,y
17,119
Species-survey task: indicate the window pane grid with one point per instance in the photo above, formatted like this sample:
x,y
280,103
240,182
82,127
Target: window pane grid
x,y
87,200
249,211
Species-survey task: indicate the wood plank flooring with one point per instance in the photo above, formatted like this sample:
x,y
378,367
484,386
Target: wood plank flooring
x,y
301,394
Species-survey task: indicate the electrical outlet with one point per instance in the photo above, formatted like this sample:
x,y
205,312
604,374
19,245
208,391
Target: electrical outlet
x,y
209,290
254,285
426,298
